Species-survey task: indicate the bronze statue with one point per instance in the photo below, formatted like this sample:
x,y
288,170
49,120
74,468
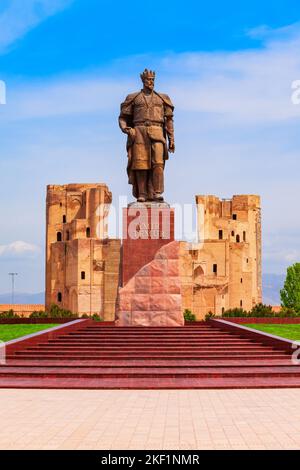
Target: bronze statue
x,y
147,119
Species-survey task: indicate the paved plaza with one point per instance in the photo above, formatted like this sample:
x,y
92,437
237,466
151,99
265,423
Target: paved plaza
x,y
150,419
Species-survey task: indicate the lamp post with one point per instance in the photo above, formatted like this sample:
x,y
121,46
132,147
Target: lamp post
x,y
12,286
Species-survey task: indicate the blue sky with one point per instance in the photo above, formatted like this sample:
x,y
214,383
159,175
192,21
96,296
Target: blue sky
x,y
228,67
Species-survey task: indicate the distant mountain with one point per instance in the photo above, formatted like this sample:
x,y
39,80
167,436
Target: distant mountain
x,y
272,283
22,298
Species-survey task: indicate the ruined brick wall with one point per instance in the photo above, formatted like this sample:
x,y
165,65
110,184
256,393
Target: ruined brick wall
x,y
82,263
223,270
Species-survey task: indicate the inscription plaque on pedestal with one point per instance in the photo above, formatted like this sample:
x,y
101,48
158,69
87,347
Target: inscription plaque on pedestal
x,y
146,228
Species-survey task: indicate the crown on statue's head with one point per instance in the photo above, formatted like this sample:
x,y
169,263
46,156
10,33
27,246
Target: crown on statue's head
x,y
147,74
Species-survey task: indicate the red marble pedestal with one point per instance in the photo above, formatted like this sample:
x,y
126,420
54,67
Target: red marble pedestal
x,y
146,228
152,297
150,294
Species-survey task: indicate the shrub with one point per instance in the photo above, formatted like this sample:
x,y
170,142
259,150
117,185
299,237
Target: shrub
x,y
38,314
287,312
235,312
54,312
209,316
9,315
261,310
188,315
96,317
57,312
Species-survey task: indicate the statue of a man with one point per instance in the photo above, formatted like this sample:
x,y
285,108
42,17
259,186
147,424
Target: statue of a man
x,y
147,119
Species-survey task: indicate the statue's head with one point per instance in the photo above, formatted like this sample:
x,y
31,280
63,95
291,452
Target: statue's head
x,y
148,78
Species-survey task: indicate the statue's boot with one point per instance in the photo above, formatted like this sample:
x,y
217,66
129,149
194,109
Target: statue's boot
x,y
158,182
141,178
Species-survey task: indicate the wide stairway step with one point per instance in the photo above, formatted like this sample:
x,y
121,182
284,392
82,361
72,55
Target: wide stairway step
x,y
137,383
106,357
143,348
133,362
115,372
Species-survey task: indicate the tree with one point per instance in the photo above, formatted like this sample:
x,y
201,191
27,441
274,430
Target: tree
x,y
290,294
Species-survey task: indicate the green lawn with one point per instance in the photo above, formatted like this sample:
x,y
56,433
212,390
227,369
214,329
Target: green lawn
x,y
289,331
8,332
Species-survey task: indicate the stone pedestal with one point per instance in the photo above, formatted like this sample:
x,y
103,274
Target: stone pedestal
x,y
153,297
150,294
146,228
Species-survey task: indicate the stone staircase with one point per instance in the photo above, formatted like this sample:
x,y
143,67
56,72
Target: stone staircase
x,y
100,356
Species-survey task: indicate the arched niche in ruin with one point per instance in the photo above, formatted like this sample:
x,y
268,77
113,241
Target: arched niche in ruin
x,y
198,274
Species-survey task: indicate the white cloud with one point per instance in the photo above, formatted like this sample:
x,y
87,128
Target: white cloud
x,y
23,15
19,249
78,95
252,86
289,256
247,87
266,32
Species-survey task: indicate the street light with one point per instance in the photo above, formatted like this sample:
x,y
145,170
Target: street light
x,y
12,286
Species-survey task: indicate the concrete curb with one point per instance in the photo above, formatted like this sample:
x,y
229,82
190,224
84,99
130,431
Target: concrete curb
x,y
266,320
277,342
43,336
